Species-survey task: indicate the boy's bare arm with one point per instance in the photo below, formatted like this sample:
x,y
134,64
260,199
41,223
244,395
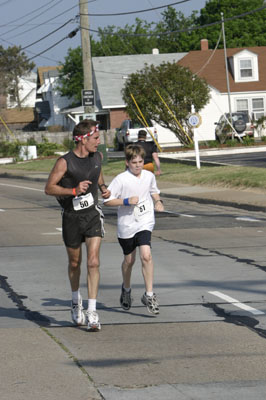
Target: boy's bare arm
x,y
132,201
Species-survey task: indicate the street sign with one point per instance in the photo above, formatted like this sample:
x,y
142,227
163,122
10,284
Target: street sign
x,y
194,120
88,98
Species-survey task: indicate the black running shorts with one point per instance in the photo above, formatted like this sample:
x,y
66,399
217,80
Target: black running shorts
x,y
77,226
140,239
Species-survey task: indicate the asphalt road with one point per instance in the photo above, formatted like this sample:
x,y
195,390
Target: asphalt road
x,y
208,341
256,159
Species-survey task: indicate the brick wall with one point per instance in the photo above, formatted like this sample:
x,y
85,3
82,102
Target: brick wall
x,y
117,116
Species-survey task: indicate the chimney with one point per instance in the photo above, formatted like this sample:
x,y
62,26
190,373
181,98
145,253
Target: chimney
x,y
204,44
155,51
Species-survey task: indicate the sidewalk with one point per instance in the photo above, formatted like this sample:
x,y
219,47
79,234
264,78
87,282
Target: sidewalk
x,y
247,199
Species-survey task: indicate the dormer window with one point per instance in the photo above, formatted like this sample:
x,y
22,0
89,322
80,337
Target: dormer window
x,y
245,66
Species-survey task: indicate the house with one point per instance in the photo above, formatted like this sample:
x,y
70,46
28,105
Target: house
x,y
109,75
27,92
247,82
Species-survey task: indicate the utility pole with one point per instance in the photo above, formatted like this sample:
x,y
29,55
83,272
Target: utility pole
x,y
227,76
86,52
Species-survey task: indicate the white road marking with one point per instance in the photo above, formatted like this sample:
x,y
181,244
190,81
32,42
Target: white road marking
x,y
22,187
237,303
2,210
181,215
53,233
248,219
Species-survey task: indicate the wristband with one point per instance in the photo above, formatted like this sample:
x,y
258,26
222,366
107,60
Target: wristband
x,y
74,192
158,200
103,184
126,202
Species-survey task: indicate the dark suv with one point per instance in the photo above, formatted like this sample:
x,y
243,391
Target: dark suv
x,y
241,122
128,132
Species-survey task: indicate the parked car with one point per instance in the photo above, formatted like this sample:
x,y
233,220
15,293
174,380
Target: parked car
x,y
241,121
128,132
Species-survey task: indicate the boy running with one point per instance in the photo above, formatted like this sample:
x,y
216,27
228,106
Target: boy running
x,y
136,194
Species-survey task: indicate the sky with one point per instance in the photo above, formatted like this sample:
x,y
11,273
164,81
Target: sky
x,y
24,22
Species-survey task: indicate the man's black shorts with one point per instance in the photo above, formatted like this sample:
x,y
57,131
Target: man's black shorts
x,y
140,239
77,226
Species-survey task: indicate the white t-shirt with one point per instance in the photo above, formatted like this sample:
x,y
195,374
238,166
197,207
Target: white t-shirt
x,y
133,219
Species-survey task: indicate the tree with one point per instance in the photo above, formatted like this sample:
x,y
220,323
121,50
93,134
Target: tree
x,y
172,21
13,65
241,32
71,75
178,87
118,41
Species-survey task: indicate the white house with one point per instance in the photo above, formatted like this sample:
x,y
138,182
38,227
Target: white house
x,y
247,83
27,92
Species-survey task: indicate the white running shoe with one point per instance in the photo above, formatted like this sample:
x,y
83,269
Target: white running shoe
x,y
93,321
151,303
77,314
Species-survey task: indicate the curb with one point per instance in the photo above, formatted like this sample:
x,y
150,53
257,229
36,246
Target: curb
x,y
243,206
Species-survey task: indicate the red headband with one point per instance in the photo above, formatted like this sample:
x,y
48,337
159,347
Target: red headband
x,y
93,130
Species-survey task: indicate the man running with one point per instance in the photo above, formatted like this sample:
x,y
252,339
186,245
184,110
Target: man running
x,y
74,181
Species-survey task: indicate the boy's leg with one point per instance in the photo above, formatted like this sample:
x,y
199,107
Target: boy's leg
x,y
149,298
126,267
127,264
147,266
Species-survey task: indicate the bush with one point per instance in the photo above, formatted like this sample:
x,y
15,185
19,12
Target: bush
x,y
10,149
68,144
247,140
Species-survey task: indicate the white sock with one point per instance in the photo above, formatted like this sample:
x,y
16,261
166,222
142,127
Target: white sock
x,y
91,304
150,294
76,296
126,289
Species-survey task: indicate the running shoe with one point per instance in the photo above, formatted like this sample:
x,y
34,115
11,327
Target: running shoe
x,y
77,313
125,299
151,303
93,321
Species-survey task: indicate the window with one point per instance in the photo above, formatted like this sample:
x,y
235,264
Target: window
x,y
242,105
245,67
258,108
253,106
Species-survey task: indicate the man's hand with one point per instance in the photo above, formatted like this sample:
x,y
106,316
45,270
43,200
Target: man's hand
x,y
82,187
106,193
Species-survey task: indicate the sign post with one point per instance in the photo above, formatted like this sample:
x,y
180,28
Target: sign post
x,y
194,121
88,97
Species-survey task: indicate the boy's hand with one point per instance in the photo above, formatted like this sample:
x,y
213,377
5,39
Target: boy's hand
x,y
133,200
159,206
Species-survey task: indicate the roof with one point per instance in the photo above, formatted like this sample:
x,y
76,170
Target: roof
x,y
110,73
214,70
42,70
16,116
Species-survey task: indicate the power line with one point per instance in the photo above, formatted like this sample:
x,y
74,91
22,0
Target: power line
x,y
137,12
23,16
180,30
69,36
49,34
29,20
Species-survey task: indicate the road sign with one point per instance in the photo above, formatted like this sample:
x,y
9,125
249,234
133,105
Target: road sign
x,y
88,98
194,120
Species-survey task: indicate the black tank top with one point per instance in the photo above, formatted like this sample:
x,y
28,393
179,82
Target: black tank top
x,y
78,170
